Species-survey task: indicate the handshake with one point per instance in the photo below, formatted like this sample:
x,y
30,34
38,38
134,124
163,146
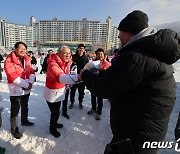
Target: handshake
x,y
92,66
28,88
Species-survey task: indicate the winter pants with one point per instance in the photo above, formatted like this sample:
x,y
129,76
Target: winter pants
x,y
81,87
120,145
64,105
99,104
16,103
54,108
127,147
177,129
41,69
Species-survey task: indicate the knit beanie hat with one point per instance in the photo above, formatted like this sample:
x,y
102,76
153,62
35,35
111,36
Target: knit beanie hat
x,y
134,22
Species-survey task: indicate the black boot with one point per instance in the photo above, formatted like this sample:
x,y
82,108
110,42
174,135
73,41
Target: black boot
x,y
16,133
54,132
27,123
59,125
2,150
65,115
71,106
80,105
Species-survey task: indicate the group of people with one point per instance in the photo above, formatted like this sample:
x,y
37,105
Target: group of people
x,y
61,69
139,84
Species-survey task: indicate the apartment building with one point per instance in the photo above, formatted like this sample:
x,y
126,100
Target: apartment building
x,y
91,33
11,33
53,33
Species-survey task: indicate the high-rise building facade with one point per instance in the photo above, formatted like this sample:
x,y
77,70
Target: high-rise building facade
x,y
1,32
93,33
11,33
55,32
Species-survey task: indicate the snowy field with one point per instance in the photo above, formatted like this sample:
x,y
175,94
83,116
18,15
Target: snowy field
x,y
82,134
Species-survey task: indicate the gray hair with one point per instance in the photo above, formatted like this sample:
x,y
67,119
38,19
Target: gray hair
x,y
62,47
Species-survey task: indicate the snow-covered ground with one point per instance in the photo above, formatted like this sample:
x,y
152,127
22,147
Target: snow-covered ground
x,y
81,134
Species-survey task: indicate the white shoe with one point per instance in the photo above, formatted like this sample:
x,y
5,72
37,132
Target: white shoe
x,y
97,117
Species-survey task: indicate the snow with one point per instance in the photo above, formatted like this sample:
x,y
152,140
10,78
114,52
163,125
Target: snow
x,y
81,134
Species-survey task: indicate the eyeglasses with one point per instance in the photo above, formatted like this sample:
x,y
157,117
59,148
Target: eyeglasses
x,y
67,54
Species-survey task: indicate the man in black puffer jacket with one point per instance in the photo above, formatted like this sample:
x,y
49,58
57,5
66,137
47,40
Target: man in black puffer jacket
x,y
140,85
80,59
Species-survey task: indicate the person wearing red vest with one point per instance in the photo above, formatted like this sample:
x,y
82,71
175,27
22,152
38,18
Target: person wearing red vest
x,y
103,64
20,77
57,77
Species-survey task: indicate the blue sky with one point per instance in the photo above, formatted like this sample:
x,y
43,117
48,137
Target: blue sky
x,y
19,11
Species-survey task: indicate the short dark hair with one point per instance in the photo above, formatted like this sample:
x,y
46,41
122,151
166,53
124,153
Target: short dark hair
x,y
50,50
81,45
30,52
99,50
17,45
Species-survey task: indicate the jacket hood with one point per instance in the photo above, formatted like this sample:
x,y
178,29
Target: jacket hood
x,y
15,59
55,58
165,45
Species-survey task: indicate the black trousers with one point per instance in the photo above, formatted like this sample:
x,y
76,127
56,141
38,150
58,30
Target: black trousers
x,y
177,129
41,69
16,103
127,147
65,102
81,87
97,105
54,108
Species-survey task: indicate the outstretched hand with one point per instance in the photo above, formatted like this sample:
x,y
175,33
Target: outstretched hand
x,y
29,87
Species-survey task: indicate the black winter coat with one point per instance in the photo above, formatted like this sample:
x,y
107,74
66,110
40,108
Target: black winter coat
x,y
80,61
141,87
33,61
45,64
1,58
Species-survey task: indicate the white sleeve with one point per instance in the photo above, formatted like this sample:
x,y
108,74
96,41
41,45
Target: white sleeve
x,y
68,78
93,64
21,82
34,67
32,78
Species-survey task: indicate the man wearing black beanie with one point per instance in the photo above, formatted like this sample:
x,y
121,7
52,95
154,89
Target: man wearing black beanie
x,y
134,22
140,86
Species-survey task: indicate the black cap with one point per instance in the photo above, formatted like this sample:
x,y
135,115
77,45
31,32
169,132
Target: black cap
x,y
81,45
134,22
